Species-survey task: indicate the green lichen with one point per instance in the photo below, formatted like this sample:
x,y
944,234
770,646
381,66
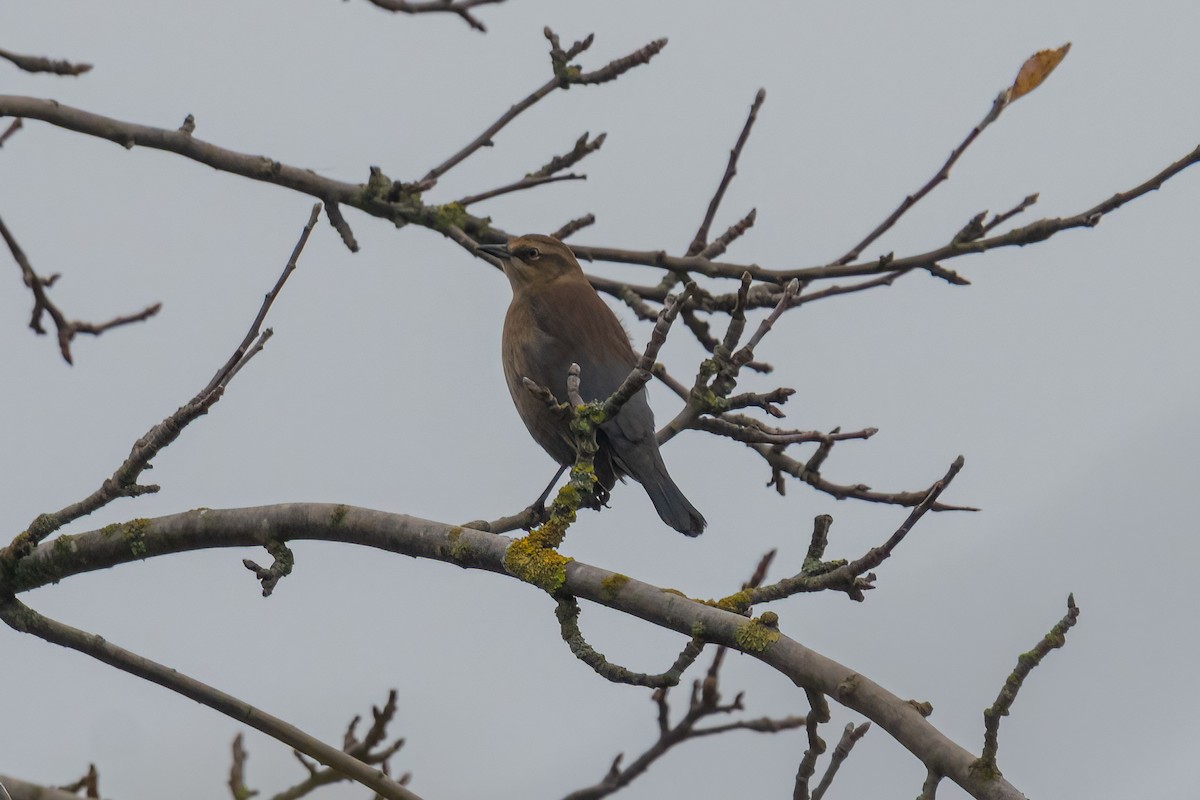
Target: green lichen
x,y
755,636
611,586
922,707
376,186
984,769
338,516
43,526
541,566
442,218
676,592
738,602
64,544
110,530
269,168
459,550
134,532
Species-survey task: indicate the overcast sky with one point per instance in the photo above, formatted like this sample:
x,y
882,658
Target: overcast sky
x,y
1067,375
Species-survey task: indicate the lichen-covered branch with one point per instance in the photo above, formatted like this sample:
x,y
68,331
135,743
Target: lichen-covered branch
x,y
761,638
1026,662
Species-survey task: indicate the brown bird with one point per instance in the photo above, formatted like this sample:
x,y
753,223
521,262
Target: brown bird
x,y
557,319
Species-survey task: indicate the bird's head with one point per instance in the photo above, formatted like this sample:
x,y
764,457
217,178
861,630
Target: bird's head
x,y
533,259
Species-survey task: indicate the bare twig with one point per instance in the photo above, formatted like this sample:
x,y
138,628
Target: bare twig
x,y
89,784
565,74
942,174
582,148
574,226
720,426
1012,212
618,67
700,240
67,329
237,772
735,231
854,577
929,788
642,373
460,7
333,213
13,127
808,763
42,64
281,566
528,182
850,736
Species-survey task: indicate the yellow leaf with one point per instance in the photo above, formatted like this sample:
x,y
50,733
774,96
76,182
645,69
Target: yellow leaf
x,y
1035,70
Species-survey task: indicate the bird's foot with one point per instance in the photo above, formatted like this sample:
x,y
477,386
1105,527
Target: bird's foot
x,y
536,514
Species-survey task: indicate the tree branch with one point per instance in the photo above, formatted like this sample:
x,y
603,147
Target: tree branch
x,y
460,7
478,550
21,617
67,329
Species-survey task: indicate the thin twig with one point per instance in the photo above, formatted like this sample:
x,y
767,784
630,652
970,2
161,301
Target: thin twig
x,y
485,139
42,64
1026,663
460,7
15,126
583,147
735,231
942,174
850,736
642,372
66,329
528,182
700,240
574,226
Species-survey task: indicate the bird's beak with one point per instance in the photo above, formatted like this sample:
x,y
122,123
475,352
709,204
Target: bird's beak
x,y
499,251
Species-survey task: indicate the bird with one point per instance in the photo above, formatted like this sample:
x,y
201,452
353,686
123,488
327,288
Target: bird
x,y
556,319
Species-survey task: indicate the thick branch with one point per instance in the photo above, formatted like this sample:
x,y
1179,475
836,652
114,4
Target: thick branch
x,y
477,550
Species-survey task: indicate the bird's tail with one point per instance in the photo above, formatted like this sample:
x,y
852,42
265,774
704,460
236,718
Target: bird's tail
x,y
671,505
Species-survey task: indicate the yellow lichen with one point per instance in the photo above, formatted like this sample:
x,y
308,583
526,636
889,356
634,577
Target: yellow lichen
x,y
611,586
544,567
459,550
755,637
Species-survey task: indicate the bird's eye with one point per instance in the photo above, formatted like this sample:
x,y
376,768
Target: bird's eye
x,y
531,254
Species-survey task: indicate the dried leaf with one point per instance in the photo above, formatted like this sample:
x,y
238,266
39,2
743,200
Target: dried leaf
x,y
1035,70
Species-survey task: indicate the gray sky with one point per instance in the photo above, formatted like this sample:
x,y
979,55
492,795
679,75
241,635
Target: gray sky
x,y
1066,374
